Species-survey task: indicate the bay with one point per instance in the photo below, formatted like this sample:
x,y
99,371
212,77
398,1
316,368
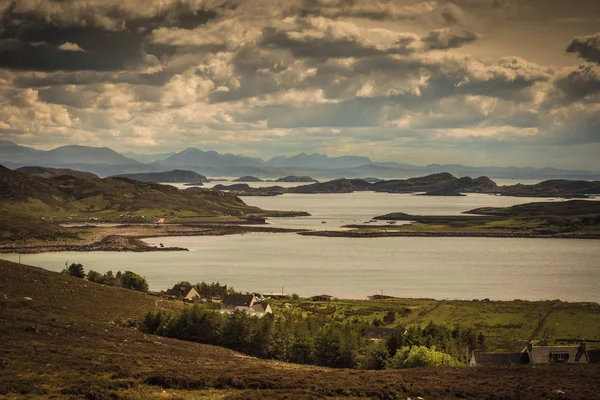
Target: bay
x,y
440,268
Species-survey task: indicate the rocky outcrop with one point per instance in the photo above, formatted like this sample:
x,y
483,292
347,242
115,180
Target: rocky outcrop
x,y
335,186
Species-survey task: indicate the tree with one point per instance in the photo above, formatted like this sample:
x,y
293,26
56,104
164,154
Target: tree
x,y
302,348
373,356
131,280
389,318
336,346
94,276
76,270
395,341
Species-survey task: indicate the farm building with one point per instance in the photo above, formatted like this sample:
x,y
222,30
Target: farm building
x,y
534,355
245,302
184,292
322,297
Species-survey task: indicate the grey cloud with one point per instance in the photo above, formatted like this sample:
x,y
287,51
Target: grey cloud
x,y
325,38
442,39
376,10
112,33
106,50
112,15
586,47
579,82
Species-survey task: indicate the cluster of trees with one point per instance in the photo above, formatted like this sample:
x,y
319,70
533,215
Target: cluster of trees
x,y
209,290
128,279
317,339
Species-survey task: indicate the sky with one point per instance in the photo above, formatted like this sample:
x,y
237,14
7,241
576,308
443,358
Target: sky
x,y
473,82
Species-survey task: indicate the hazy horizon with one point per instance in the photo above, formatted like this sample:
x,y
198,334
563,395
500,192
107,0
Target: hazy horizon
x,y
266,159
470,82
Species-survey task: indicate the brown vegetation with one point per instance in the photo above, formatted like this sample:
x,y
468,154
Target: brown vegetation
x,y
65,338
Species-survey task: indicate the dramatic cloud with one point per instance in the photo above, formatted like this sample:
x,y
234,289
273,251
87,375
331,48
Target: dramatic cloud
x,y
427,80
586,47
579,82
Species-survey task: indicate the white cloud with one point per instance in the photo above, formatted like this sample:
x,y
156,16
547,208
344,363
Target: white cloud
x,y
67,46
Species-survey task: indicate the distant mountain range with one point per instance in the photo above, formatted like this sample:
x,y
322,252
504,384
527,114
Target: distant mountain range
x,y
104,161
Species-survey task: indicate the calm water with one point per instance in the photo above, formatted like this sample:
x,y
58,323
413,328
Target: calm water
x,y
356,208
455,268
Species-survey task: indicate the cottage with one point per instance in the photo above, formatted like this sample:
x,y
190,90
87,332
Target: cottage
x,y
557,354
535,355
238,301
245,302
322,297
594,356
184,292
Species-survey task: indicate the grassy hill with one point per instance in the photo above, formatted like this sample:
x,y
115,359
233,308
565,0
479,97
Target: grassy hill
x,y
65,338
555,208
68,196
31,207
174,176
573,219
45,172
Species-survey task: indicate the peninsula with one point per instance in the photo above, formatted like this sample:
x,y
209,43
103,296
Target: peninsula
x,y
71,213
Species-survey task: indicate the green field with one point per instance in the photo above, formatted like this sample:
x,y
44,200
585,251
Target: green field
x,y
507,325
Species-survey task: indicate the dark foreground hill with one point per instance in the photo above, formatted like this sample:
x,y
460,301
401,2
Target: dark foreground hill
x,y
65,338
175,176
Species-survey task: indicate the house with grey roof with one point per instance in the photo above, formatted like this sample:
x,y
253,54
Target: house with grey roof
x,y
483,359
534,355
248,303
557,354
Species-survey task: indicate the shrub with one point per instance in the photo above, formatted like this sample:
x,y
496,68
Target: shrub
x,y
421,356
389,318
131,280
94,276
76,270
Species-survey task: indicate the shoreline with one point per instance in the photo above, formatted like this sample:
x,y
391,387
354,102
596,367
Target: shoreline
x,y
114,239
515,235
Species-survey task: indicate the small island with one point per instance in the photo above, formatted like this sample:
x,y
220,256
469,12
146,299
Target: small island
x,y
174,176
247,178
293,178
575,219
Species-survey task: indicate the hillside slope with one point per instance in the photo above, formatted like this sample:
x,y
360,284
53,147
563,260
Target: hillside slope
x,y
65,338
175,176
45,172
65,196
